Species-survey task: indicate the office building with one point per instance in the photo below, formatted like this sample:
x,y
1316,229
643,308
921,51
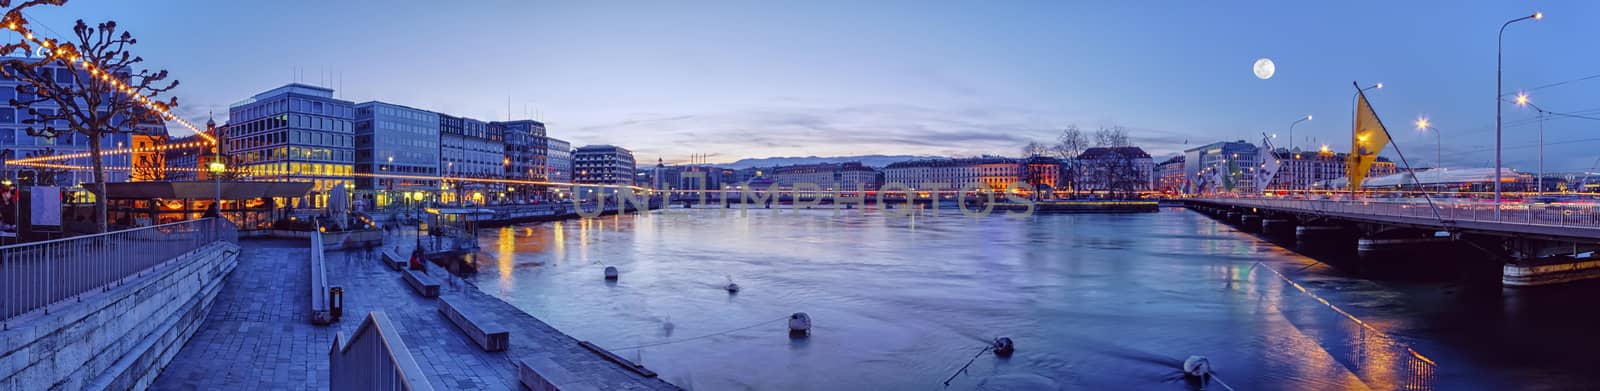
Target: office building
x,y
603,165
296,132
397,152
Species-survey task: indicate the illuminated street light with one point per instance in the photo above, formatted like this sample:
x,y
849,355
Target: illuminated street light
x,y
1438,141
1522,100
1499,61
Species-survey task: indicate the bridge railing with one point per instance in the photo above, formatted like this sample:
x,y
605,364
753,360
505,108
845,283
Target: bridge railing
x,y
374,358
1557,215
34,276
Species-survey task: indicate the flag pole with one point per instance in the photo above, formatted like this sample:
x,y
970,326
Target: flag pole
x,y
1409,171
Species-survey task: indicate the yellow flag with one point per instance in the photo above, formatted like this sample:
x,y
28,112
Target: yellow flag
x,y
1369,138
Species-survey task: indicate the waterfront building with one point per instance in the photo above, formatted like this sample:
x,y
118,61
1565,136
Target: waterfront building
x,y
603,165
1042,173
397,140
1169,176
1115,169
1219,167
993,172
296,132
526,153
1300,170
146,162
16,143
558,164
469,150
826,176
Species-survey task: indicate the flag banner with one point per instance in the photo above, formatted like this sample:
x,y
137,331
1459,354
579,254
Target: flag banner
x,y
1368,139
1268,167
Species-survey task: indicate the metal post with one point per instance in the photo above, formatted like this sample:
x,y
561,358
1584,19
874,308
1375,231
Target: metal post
x,y
1499,60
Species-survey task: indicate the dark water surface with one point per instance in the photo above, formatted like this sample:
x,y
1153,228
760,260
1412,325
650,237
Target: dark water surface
x,y
1093,302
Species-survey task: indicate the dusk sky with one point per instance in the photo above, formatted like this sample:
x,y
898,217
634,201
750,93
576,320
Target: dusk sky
x,y
756,79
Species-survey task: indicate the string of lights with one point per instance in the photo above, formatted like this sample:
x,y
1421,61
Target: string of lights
x,y
69,56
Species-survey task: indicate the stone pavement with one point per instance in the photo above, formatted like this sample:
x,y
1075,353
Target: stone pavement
x,y
258,334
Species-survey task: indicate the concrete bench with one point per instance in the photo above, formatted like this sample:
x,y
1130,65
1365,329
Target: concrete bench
x,y
424,284
539,373
489,336
394,261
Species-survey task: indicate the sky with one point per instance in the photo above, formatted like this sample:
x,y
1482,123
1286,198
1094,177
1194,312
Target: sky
x,y
741,79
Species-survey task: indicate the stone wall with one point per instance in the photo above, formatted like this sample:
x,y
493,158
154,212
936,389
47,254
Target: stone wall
x,y
118,339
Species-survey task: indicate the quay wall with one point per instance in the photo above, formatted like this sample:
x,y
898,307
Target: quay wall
x,y
117,339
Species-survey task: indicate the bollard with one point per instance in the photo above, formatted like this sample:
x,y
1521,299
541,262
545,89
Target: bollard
x,y
336,302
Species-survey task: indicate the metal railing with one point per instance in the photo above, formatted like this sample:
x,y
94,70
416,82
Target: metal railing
x,y
374,358
1554,215
33,276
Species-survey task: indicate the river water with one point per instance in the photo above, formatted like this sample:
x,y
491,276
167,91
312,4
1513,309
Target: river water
x,y
1093,301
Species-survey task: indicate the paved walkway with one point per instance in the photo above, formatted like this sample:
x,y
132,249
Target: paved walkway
x,y
258,334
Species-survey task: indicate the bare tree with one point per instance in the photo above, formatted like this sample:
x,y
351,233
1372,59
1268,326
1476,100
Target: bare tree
x,y
1069,144
1034,148
1112,137
106,94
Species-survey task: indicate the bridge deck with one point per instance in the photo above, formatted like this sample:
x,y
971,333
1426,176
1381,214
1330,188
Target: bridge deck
x,y
1553,221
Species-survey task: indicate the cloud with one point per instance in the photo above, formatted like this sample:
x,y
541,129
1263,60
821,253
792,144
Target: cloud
x,y
821,130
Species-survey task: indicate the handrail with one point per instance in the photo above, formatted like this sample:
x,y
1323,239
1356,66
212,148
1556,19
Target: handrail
x,y
36,275
374,358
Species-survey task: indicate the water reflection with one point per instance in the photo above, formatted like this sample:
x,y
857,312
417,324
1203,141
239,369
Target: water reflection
x,y
1093,301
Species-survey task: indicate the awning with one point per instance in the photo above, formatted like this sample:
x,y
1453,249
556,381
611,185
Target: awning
x,y
231,190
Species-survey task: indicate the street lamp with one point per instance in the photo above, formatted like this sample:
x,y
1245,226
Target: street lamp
x,y
1522,100
1293,175
217,167
1499,60
1438,141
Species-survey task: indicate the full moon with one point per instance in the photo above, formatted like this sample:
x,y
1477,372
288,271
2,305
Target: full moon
x,y
1264,68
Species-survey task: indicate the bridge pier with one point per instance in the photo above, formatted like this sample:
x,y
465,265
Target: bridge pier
x,y
1232,217
1277,227
1384,246
1250,223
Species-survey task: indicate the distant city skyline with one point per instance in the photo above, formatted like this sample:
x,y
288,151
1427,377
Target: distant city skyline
x,y
740,80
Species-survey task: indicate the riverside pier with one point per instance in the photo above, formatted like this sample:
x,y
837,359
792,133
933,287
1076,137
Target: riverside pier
x,y
208,311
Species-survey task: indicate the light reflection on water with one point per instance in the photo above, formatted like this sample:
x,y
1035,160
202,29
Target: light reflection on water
x,y
1093,301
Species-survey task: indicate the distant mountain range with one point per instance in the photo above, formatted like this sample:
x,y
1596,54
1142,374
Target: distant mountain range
x,y
870,160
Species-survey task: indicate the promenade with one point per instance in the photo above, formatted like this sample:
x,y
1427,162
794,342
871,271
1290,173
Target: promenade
x,y
257,335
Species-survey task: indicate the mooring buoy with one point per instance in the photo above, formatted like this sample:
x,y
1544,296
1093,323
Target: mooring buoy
x,y
1197,367
611,272
799,324
732,288
1003,346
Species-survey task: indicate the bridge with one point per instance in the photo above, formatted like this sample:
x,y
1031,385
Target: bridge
x,y
1537,243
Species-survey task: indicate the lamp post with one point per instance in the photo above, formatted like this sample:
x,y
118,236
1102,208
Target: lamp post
x,y
1522,100
1354,112
1499,60
1438,141
217,167
1293,170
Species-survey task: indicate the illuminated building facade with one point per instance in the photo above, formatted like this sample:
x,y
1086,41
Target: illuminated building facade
x,y
296,132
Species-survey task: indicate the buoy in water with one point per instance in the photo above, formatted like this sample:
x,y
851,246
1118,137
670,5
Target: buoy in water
x,y
799,324
732,288
1003,346
611,272
1197,367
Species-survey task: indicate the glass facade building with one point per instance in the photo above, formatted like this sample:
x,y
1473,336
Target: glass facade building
x,y
395,140
296,132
